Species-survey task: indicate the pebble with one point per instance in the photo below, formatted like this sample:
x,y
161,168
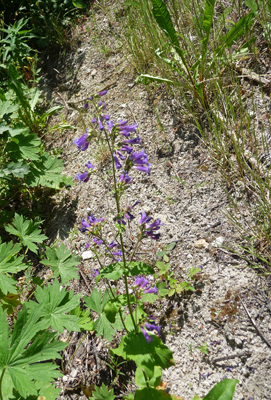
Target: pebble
x,y
87,255
201,244
218,241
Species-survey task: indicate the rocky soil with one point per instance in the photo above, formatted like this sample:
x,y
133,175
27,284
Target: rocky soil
x,y
184,191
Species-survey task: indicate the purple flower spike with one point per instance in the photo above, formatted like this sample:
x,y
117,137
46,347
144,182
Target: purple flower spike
x,y
89,165
118,164
83,177
151,290
148,338
81,142
102,93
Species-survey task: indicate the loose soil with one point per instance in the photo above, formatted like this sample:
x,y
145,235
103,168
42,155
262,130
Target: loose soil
x,y
184,191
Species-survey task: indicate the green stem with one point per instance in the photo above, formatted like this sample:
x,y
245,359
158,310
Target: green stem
x,y
121,238
1,380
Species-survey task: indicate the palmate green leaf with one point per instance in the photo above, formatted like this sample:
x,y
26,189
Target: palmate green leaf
x,y
134,347
138,315
7,107
9,264
23,147
56,304
18,170
153,382
22,363
97,302
84,321
47,172
62,262
45,390
102,393
27,231
113,272
223,390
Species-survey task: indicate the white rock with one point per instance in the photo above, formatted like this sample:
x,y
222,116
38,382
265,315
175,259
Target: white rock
x,y
87,254
201,244
218,241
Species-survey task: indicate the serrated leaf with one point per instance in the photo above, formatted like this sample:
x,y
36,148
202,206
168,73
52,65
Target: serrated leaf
x,y
138,267
84,321
27,231
46,172
162,288
223,390
153,382
7,107
111,310
24,147
19,170
20,361
56,304
96,303
62,262
149,298
102,393
9,264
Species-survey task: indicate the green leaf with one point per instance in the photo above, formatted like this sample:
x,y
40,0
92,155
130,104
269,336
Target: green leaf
x,y
102,393
149,298
96,303
223,390
62,262
56,304
138,314
160,254
171,246
112,272
162,288
23,147
193,271
84,321
134,347
153,382
22,354
146,79
149,393
204,348
9,264
19,170
163,268
138,267
162,16
166,259
111,310
34,99
26,231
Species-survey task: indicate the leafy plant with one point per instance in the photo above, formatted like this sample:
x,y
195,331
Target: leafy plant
x,y
102,393
166,249
25,355
10,263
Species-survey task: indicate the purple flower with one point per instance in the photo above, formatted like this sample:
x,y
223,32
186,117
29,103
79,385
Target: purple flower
x,y
121,123
117,253
89,165
135,204
143,169
144,218
96,273
124,177
121,156
148,338
86,106
101,127
100,103
118,164
92,221
128,215
81,142
151,290
112,245
126,148
83,177
124,130
102,93
106,117
155,236
93,120
153,327
110,125
87,246
141,282
97,242
136,140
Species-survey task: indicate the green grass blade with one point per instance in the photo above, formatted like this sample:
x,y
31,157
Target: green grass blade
x,y
207,24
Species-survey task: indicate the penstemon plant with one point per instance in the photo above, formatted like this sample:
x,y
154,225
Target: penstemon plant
x,y
125,311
